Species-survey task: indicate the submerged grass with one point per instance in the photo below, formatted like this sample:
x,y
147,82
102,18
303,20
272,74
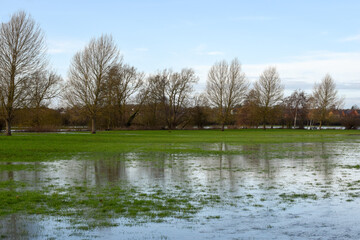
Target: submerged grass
x,y
10,166
96,207
291,197
352,166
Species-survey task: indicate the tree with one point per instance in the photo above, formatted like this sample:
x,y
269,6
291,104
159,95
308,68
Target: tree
x,y
43,87
157,99
139,102
226,87
350,119
178,94
296,106
269,92
250,113
199,111
87,75
172,90
22,53
276,115
123,82
325,98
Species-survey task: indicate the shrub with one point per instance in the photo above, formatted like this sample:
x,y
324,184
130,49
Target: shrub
x,y
350,122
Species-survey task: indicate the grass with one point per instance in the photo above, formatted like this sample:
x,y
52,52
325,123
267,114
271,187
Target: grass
x,y
97,206
9,166
27,147
352,166
291,197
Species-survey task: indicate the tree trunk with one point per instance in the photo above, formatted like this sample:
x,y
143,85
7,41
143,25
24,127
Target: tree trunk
x,y
223,127
123,109
264,121
37,117
8,127
301,124
131,118
108,124
93,127
295,118
320,125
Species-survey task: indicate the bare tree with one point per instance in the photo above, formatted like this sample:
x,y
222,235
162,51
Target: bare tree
x,y
296,106
157,100
178,93
225,88
250,115
43,87
172,90
22,52
269,91
311,111
200,111
325,98
123,82
87,75
139,102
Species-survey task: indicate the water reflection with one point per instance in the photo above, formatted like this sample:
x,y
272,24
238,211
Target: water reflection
x,y
257,177
266,164
17,227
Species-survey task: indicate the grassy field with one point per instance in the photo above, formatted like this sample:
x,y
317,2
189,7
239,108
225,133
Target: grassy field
x,y
53,146
90,206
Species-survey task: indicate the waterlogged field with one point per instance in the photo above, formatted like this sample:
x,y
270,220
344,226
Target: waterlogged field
x,y
181,185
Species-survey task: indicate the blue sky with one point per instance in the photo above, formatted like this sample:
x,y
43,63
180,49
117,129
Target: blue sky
x,y
303,39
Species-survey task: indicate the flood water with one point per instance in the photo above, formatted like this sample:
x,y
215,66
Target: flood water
x,y
284,191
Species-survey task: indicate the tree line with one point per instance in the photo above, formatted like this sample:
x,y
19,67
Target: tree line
x,y
107,93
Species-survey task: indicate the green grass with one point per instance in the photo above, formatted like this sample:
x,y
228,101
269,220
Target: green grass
x,y
27,147
291,197
352,166
17,167
96,207
90,206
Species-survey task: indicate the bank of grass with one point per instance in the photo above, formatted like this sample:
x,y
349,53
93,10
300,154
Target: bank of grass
x,y
26,147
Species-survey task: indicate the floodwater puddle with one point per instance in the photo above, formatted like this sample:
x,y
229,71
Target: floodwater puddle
x,y
296,191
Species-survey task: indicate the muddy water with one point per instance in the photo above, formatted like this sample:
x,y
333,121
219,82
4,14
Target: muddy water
x,y
296,191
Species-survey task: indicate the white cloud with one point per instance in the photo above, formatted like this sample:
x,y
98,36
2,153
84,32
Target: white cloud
x,y
301,72
215,53
64,46
202,49
351,38
307,69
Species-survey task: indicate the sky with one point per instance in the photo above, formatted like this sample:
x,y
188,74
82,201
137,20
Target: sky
x,y
304,40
